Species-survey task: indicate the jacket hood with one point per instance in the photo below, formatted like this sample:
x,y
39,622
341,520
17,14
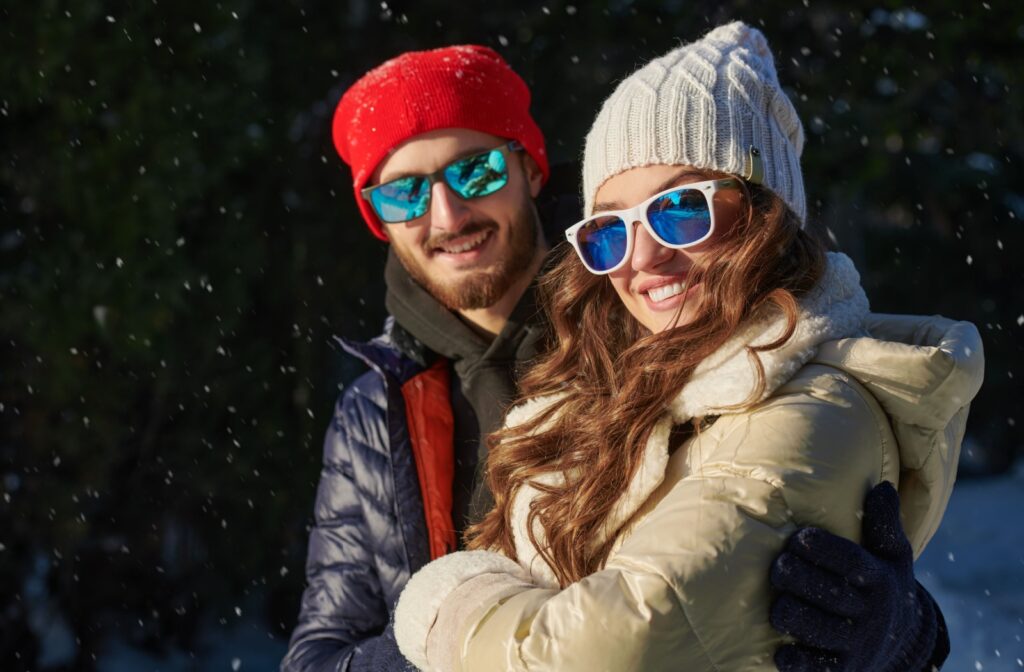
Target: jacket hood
x,y
922,370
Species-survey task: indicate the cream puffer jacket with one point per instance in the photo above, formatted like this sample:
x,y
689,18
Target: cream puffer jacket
x,y
852,399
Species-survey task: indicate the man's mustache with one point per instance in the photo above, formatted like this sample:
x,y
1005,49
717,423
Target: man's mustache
x,y
472,228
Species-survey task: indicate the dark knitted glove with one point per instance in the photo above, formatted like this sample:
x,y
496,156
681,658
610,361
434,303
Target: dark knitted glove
x,y
380,654
852,607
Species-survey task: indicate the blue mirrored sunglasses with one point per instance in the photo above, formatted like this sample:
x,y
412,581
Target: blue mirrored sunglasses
x,y
678,218
408,197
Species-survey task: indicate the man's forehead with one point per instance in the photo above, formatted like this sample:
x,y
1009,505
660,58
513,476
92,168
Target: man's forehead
x,y
430,151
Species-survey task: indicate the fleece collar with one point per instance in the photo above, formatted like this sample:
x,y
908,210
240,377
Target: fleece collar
x,y
835,308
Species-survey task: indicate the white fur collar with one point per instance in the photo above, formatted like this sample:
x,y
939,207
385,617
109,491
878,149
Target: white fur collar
x,y
836,308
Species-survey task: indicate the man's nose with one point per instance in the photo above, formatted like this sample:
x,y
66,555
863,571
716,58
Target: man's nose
x,y
648,253
448,212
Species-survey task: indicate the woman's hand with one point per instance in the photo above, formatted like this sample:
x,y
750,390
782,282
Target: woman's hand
x,y
438,599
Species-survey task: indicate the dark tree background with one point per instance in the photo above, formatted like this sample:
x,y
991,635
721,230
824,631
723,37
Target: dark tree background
x,y
179,245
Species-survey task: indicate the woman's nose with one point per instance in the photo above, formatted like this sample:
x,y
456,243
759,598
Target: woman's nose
x,y
648,253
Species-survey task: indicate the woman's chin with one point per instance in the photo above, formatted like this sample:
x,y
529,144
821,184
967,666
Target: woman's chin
x,y
671,322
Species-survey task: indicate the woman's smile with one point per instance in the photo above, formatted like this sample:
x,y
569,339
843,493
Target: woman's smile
x,y
668,294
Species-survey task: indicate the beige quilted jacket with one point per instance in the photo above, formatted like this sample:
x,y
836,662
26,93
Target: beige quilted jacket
x,y
853,399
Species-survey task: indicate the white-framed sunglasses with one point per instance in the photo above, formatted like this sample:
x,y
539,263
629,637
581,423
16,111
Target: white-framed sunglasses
x,y
677,218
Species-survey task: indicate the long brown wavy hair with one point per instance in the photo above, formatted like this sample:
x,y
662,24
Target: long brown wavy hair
x,y
617,379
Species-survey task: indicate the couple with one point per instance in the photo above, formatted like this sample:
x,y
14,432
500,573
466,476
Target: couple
x,y
698,392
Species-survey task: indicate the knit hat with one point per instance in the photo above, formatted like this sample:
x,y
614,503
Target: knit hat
x,y
468,87
704,104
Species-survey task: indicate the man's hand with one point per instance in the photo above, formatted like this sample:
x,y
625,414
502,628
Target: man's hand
x,y
380,654
856,608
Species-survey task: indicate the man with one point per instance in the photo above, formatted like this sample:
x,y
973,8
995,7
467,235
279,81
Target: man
x,y
447,163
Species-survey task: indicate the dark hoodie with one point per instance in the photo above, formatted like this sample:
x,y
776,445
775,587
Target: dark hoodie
x,y
483,374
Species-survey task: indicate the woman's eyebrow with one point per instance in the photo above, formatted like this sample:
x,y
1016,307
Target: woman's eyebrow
x,y
670,182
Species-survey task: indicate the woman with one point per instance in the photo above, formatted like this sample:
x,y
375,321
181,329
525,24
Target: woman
x,y
716,381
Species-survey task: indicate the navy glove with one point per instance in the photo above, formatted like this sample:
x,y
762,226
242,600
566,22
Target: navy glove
x,y
380,654
852,607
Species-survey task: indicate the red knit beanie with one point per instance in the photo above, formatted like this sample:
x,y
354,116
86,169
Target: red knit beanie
x,y
468,87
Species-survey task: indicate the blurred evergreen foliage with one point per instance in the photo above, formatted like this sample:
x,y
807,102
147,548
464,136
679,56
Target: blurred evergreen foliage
x,y
178,244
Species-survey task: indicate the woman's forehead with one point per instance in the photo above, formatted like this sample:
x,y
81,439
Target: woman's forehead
x,y
636,184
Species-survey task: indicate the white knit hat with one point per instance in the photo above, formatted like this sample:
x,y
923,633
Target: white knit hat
x,y
704,104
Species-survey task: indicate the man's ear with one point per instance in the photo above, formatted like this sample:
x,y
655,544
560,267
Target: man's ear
x,y
534,176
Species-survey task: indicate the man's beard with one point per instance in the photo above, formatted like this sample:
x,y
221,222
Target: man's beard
x,y
483,288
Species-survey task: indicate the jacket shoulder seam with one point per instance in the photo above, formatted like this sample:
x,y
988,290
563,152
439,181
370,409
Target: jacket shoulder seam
x,y
874,407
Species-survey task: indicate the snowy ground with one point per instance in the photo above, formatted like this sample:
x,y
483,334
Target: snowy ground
x,y
974,567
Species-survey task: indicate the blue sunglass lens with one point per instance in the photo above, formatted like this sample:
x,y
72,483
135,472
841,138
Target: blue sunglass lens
x,y
681,217
401,200
602,242
478,175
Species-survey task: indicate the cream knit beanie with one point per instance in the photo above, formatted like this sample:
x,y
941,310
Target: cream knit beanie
x,y
704,104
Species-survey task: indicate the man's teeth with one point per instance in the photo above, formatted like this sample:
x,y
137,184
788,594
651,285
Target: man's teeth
x,y
665,291
467,244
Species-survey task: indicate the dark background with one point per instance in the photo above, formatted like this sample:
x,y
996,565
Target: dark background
x,y
179,245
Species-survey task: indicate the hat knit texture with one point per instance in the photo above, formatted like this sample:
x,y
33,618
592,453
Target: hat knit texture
x,y
704,104
466,86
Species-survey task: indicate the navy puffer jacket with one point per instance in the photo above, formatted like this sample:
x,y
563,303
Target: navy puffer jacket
x,y
369,535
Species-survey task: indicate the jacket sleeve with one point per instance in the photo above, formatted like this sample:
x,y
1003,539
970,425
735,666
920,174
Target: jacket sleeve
x,y
688,589
343,610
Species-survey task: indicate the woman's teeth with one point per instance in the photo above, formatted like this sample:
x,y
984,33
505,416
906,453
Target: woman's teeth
x,y
466,244
659,294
